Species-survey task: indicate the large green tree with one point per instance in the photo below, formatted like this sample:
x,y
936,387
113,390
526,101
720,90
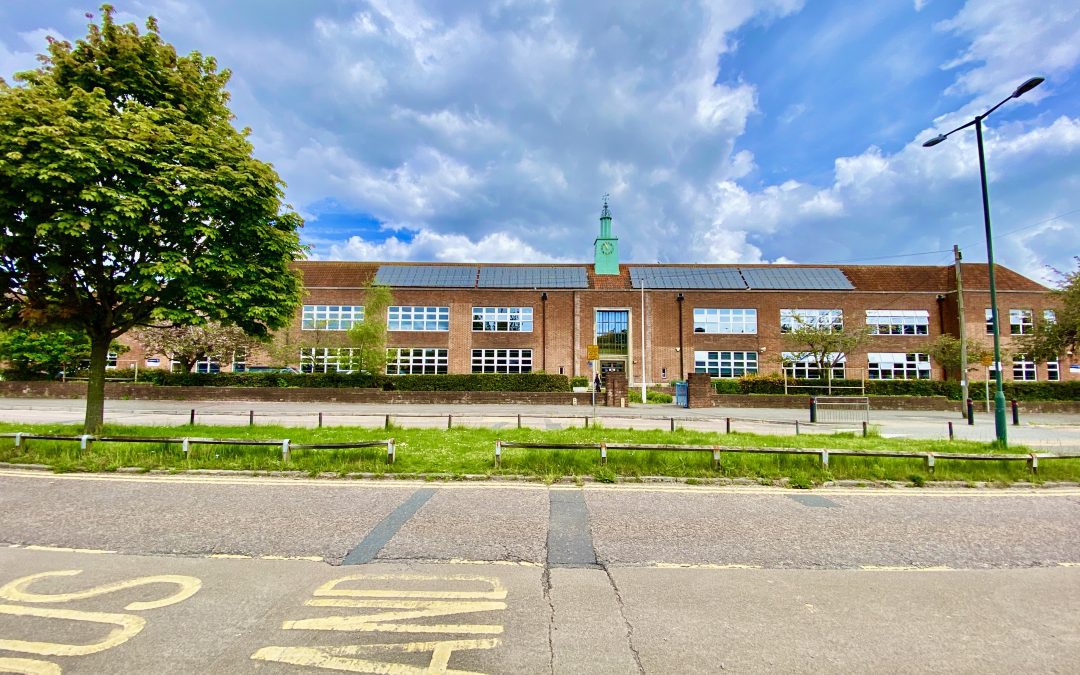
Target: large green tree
x,y
127,198
31,353
1062,335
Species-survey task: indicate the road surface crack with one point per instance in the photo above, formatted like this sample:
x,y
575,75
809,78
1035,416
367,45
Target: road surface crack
x,y
626,620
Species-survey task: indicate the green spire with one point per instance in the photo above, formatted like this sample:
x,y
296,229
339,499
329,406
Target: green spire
x,y
606,246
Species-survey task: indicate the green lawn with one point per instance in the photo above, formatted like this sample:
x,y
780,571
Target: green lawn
x,y
462,451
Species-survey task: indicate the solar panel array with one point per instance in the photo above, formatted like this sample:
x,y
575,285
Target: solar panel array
x,y
686,277
740,278
801,278
428,276
533,277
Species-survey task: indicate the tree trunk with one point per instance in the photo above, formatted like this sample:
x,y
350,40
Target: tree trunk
x,y
95,386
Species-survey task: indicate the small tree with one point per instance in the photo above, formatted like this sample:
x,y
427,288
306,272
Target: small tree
x,y
128,198
190,344
368,337
945,351
1053,338
29,352
827,344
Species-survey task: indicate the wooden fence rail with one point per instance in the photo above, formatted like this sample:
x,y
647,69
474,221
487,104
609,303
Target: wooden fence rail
x,y
929,458
286,445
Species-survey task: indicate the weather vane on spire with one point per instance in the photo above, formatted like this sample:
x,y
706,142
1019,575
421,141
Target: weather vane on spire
x,y
606,212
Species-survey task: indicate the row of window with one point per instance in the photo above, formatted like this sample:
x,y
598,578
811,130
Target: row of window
x,y
706,319
418,360
880,365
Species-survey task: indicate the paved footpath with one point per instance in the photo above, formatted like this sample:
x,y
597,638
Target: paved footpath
x,y
1039,431
175,574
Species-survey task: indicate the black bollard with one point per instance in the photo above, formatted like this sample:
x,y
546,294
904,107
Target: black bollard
x,y
971,412
1016,413
813,409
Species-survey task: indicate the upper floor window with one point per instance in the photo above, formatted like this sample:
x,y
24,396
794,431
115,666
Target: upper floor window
x,y
898,321
502,319
420,318
1020,322
989,321
738,321
330,317
793,319
1049,316
898,366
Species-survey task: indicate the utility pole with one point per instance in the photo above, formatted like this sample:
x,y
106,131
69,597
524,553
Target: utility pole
x,y
963,332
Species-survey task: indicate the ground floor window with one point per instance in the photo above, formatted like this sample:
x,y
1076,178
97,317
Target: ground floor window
x,y
806,367
326,360
416,361
726,364
898,366
1023,368
502,360
1053,370
111,359
210,366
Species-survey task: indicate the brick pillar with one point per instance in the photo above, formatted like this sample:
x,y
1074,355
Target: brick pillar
x,y
699,390
616,388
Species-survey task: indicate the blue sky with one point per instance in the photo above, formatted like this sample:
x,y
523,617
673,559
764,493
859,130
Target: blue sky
x,y
730,131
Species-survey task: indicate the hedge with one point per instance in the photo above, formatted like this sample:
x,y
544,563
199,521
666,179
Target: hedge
x,y
1021,391
477,382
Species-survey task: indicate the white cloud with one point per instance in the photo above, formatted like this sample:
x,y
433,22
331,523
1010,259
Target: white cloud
x,y
433,246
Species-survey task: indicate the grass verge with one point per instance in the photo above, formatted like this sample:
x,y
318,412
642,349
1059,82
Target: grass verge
x,y
462,451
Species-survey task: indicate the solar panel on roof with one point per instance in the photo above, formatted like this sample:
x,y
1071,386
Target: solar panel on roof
x,y
427,276
686,277
533,277
796,278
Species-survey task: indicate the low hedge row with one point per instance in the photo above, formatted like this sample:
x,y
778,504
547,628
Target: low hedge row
x,y
1021,391
471,382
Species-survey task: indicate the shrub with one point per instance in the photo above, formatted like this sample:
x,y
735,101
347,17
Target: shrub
x,y
1021,391
484,382
579,381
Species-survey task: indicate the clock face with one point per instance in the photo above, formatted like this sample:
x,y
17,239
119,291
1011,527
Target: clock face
x,y
606,248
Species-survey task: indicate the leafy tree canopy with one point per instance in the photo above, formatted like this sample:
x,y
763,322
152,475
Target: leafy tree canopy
x,y
32,352
827,345
1054,338
190,344
945,351
128,198
368,337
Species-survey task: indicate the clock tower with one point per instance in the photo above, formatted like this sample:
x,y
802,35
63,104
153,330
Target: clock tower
x,y
606,246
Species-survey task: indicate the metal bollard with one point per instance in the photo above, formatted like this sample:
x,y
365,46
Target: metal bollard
x,y
1016,413
672,419
813,410
796,427
971,412
519,420
586,422
320,420
727,425
386,422
864,429
192,421
449,421
950,431
251,418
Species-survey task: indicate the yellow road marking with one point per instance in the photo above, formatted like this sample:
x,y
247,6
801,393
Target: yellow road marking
x,y
230,556
905,568
127,626
15,591
309,558
330,588
702,566
28,667
1069,564
64,549
337,658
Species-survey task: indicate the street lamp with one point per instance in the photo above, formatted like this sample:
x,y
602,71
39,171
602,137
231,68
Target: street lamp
x,y
999,396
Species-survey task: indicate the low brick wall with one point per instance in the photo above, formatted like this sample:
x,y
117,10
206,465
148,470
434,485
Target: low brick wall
x,y
143,392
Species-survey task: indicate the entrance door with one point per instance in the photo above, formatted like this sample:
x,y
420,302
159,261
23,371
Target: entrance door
x,y
607,366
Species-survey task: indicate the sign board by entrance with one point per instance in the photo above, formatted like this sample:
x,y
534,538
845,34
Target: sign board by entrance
x,y
593,352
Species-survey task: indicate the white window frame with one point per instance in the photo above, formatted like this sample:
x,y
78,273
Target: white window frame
x,y
417,361
502,319
725,321
502,360
989,321
330,317
1021,322
898,321
800,366
1024,369
1049,316
898,366
418,318
326,359
791,319
1053,371
726,364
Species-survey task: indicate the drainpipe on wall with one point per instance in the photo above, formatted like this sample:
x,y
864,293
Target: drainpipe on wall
x,y
682,368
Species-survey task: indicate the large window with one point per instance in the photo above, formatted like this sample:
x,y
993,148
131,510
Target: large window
x,y
989,321
502,319
612,331
1053,371
416,361
737,321
502,360
726,364
898,366
330,317
793,319
806,367
326,360
898,321
1023,368
1020,322
418,318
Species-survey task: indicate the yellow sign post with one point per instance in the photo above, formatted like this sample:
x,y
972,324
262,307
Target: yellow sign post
x,y
593,352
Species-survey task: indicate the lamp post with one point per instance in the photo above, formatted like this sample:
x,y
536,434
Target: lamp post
x,y
1000,425
644,396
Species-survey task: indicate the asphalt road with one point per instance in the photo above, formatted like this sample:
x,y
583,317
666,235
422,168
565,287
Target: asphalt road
x,y
184,574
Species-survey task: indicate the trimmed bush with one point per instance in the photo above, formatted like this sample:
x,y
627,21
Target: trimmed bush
x,y
478,382
1021,391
